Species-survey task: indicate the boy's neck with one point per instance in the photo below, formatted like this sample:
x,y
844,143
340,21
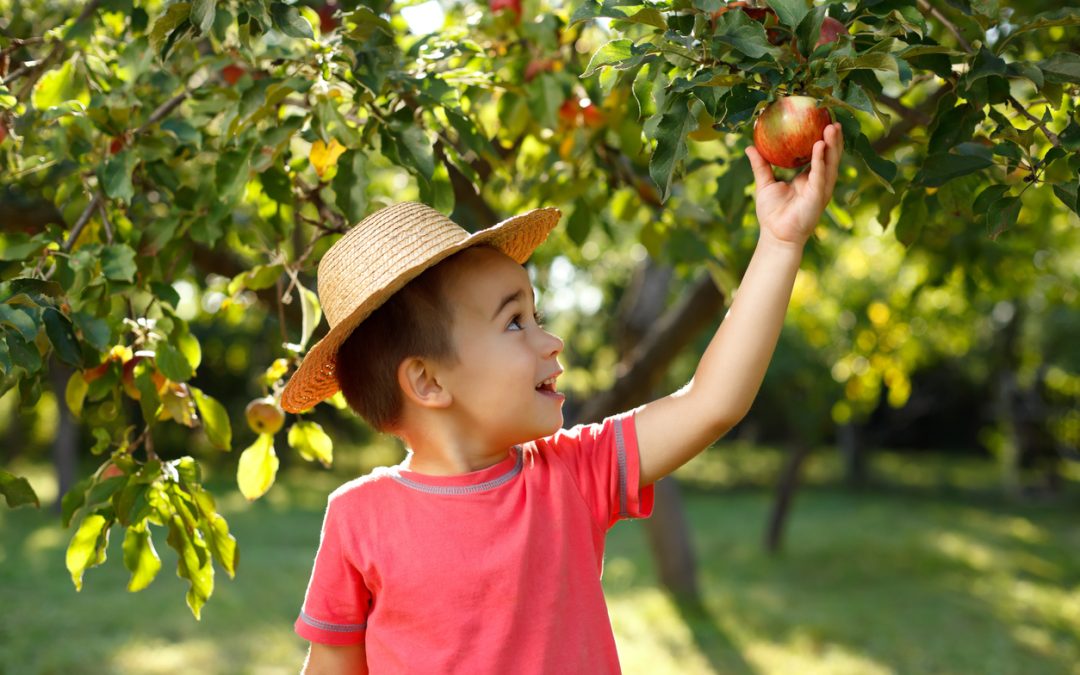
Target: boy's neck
x,y
442,454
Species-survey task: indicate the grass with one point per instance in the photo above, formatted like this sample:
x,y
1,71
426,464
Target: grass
x,y
932,575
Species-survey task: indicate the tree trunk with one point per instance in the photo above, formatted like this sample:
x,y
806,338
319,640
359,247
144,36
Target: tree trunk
x,y
669,538
851,439
785,495
642,366
66,444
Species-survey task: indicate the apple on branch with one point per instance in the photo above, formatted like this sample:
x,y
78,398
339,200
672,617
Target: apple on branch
x,y
785,132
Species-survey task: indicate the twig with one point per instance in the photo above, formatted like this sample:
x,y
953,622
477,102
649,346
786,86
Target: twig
x,y
925,6
105,221
84,218
1036,121
913,114
17,73
162,110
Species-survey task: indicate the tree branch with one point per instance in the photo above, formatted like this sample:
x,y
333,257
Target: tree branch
x,y
925,6
84,218
1036,121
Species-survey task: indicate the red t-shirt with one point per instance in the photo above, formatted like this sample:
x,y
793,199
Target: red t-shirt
x,y
495,571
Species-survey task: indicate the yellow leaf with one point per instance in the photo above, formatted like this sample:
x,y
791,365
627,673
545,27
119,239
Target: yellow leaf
x,y
309,439
324,156
257,467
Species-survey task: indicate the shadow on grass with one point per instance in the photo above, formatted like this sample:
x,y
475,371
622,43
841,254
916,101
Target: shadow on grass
x,y
714,644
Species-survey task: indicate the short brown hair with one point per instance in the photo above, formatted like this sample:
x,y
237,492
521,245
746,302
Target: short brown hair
x,y
415,322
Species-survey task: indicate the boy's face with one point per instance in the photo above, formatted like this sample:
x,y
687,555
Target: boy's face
x,y
504,356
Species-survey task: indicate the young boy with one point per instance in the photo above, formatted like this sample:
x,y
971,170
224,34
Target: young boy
x,y
482,551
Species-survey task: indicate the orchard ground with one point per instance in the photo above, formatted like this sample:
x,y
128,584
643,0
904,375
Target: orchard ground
x,y
927,571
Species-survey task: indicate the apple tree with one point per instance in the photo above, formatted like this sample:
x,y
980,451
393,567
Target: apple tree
x,y
227,143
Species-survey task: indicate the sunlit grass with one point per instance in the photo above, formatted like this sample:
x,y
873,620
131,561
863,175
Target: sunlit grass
x,y
939,577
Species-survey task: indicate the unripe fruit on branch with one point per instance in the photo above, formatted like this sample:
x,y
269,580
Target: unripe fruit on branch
x,y
264,416
785,132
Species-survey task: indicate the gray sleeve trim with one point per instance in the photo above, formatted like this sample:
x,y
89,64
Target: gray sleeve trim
x,y
333,627
620,449
465,489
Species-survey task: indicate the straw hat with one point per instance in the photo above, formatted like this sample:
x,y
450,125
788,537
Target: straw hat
x,y
375,259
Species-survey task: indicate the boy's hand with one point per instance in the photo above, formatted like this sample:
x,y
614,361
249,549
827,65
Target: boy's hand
x,y
788,212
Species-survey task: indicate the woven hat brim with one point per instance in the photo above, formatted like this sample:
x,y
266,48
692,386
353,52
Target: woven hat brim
x,y
316,378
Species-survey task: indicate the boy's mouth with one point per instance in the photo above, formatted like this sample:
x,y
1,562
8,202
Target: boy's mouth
x,y
548,385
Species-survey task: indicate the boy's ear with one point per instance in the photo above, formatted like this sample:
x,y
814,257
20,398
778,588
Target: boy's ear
x,y
419,383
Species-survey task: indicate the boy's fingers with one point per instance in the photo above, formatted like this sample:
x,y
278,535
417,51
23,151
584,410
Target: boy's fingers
x,y
836,149
818,168
763,174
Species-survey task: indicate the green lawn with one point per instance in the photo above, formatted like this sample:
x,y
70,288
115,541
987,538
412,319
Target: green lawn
x,y
914,579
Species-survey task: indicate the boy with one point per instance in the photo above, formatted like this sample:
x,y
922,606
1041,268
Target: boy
x,y
482,551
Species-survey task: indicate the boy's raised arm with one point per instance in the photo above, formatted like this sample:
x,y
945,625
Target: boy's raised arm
x,y
674,429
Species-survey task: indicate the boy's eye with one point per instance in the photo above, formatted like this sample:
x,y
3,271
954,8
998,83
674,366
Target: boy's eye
x,y
515,321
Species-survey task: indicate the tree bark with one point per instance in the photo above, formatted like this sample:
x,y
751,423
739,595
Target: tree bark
x,y
66,445
785,495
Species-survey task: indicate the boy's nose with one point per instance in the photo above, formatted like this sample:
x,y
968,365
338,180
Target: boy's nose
x,y
553,344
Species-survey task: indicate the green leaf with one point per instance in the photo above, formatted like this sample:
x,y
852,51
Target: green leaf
x,y
87,547
140,557
309,439
350,185
215,530
954,126
75,393
94,330
611,53
194,564
868,61
913,216
59,86
416,151
1063,67
17,490
579,223
289,21
73,500
173,364
790,12
118,262
62,336
1069,194
809,30
1068,16
115,176
988,196
257,468
311,314
939,168
202,15
257,278
1002,214
19,319
675,123
748,37
215,419
231,171
166,24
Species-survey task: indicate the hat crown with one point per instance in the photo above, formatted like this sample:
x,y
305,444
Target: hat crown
x,y
375,252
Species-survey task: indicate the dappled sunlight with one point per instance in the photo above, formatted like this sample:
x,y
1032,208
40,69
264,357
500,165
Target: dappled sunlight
x,y
156,657
652,637
965,550
266,651
808,654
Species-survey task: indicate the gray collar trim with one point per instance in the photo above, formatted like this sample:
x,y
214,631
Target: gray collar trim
x,y
464,489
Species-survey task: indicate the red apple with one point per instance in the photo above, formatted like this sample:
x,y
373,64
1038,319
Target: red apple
x,y
785,133
513,5
327,20
232,73
831,29
3,131
536,67
117,144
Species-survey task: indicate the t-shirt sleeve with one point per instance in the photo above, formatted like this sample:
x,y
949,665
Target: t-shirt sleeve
x,y
604,460
338,601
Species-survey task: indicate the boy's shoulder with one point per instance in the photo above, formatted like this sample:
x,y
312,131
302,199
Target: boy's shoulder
x,y
359,488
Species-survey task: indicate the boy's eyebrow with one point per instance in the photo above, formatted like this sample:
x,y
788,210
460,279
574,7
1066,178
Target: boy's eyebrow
x,y
516,295
510,297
